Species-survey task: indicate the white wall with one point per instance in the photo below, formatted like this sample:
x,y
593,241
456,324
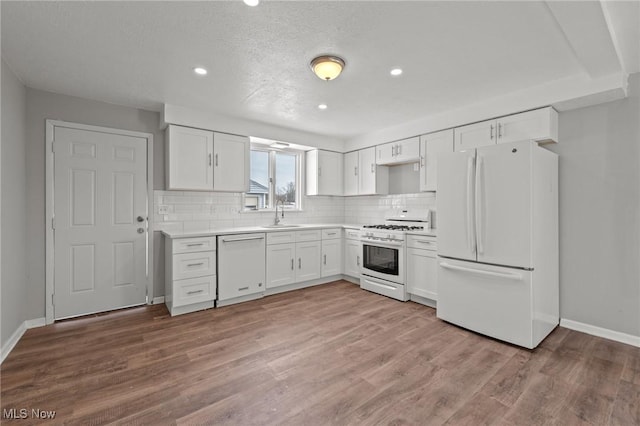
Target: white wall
x,y
599,188
45,105
13,205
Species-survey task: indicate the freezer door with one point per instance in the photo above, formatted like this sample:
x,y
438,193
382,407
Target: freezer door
x,y
503,204
455,205
490,300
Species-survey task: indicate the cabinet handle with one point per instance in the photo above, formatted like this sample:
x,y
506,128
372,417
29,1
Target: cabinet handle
x,y
299,263
319,171
292,264
194,292
195,245
195,264
216,160
422,160
357,260
209,160
355,170
325,259
243,288
372,168
331,233
491,132
499,130
399,149
393,151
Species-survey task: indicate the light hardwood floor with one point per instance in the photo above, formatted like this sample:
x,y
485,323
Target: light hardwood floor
x,y
331,354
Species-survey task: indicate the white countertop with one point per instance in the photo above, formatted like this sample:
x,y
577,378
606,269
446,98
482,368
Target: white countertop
x,y
284,228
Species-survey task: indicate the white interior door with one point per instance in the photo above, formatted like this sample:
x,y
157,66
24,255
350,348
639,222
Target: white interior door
x,y
100,231
503,204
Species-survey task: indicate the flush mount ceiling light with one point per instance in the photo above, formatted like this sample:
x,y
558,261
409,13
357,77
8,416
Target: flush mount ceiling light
x,y
396,72
322,106
327,67
200,71
251,2
279,145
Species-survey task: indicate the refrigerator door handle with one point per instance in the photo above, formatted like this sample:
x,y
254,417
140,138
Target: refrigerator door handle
x,y
470,230
511,276
479,203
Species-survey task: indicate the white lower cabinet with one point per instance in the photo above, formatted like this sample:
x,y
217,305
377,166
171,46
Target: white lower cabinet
x,y
289,263
352,253
422,266
331,257
190,274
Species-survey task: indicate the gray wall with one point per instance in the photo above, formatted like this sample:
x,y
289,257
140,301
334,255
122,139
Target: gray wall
x,y
14,205
45,105
600,213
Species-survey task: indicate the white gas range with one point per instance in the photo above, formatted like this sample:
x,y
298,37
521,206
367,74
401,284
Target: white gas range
x,y
383,254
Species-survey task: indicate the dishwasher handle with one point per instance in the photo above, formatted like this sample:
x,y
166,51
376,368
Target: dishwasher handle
x,y
224,240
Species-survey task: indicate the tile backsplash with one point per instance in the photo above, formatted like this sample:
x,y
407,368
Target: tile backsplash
x,y
195,211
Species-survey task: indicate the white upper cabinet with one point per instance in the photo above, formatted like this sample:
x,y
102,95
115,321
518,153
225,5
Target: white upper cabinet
x,y
372,179
189,156
324,172
351,173
430,146
541,125
404,151
202,160
230,163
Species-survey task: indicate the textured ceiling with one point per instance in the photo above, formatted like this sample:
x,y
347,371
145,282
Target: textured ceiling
x,y
142,53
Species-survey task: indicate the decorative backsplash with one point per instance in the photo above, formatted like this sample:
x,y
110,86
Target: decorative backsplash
x,y
185,211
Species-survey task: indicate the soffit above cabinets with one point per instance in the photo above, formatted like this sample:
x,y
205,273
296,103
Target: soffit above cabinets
x,y
453,54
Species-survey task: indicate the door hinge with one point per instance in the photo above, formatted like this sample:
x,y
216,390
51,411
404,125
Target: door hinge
x,y
53,146
53,223
53,299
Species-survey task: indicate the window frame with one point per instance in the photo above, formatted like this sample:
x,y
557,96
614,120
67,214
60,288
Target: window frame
x,y
299,156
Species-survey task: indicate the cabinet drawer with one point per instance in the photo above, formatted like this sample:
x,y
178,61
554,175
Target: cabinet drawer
x,y
190,265
352,234
188,245
194,290
281,237
422,242
331,233
311,235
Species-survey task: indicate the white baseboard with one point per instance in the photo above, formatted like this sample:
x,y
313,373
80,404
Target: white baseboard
x,y
158,300
628,339
15,337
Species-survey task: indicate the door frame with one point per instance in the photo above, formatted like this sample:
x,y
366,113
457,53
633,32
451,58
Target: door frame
x,y
49,212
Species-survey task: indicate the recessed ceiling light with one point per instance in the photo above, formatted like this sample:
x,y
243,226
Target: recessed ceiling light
x,y
396,72
251,2
200,71
322,106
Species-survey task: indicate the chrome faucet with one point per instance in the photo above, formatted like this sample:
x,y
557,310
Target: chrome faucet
x,y
276,220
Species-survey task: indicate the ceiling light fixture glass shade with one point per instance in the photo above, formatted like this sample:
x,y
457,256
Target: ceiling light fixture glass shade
x,y
327,67
251,2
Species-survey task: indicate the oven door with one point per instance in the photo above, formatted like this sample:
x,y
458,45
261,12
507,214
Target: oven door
x,y
384,261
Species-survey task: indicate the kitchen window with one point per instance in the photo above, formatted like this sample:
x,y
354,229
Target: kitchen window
x,y
274,177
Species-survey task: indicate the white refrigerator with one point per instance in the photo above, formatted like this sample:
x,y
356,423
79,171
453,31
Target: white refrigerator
x,y
497,210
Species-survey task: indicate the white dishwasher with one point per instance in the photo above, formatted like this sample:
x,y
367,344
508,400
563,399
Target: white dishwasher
x,y
241,267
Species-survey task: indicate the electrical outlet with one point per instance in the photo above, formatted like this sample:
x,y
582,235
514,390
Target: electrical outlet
x,y
163,209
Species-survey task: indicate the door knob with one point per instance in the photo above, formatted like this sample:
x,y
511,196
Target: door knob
x,y
140,230
140,219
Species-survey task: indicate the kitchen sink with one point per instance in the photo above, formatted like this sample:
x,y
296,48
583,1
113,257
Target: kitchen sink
x,y
281,226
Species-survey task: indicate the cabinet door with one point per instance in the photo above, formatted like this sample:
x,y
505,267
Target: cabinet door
x,y
330,170
280,265
430,146
367,171
189,158
475,135
353,251
331,257
385,153
408,150
231,163
422,273
539,125
351,173
308,261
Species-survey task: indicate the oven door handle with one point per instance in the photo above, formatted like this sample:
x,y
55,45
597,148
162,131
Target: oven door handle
x,y
383,244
